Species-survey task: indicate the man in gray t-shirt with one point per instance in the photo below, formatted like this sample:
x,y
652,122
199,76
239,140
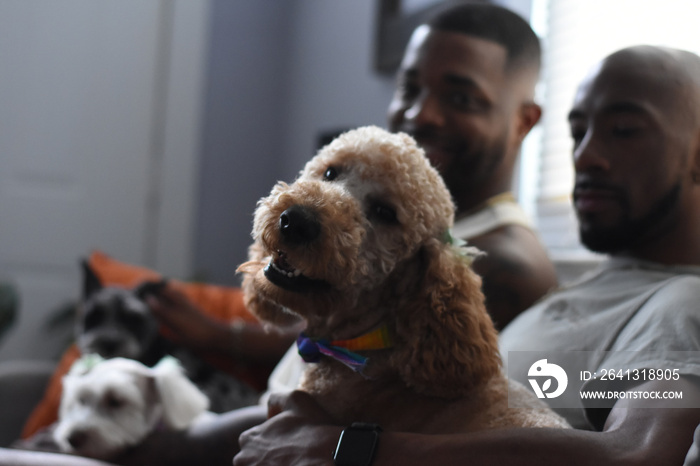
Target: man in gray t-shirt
x,y
627,314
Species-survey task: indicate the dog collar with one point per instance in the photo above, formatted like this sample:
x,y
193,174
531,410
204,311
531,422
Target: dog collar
x,y
311,349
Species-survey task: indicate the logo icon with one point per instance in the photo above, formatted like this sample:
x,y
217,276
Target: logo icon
x,y
542,369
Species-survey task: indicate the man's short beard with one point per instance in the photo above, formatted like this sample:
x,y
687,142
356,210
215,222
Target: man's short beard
x,y
629,232
475,169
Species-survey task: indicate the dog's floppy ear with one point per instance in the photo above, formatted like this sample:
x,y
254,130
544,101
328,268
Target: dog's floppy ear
x,y
450,344
182,401
91,282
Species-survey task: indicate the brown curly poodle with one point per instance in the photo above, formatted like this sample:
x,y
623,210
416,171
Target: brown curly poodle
x,y
359,248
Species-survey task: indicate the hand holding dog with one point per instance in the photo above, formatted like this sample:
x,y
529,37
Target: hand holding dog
x,y
299,432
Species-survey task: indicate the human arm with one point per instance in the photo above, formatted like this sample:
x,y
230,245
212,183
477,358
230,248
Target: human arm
x,y
211,442
633,435
248,342
299,431
516,271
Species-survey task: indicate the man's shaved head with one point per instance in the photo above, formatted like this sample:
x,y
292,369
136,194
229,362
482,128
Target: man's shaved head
x,y
636,129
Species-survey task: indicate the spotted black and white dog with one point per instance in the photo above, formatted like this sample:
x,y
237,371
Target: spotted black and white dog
x,y
117,322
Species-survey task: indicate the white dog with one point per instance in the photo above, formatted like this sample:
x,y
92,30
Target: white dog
x,y
113,404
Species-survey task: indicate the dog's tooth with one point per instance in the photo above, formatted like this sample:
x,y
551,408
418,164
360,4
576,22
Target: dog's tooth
x,y
297,272
290,274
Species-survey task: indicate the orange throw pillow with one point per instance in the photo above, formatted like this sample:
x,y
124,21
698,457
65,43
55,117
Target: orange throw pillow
x,y
219,302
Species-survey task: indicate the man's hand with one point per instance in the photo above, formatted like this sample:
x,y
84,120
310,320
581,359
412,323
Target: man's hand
x,y
300,433
189,325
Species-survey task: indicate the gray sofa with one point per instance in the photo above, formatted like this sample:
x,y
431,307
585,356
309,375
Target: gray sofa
x,y
22,385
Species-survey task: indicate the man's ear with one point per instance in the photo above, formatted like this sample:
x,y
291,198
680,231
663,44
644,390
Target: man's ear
x,y
528,116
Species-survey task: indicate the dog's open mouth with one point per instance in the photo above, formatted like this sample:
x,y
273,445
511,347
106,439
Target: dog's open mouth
x,y
280,272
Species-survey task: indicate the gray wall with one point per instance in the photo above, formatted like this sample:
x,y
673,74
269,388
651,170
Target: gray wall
x,y
99,142
332,84
242,127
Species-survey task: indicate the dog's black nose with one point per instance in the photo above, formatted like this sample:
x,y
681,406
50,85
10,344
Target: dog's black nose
x,y
77,438
299,225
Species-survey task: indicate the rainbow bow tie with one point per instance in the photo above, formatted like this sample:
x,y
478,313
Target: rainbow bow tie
x,y
311,349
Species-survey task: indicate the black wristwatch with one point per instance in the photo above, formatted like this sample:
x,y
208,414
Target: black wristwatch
x,y
357,444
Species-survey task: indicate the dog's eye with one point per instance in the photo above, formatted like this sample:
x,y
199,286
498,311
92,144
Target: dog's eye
x,y
330,174
112,402
383,213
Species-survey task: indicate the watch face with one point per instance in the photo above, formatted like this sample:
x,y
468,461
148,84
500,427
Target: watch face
x,y
355,447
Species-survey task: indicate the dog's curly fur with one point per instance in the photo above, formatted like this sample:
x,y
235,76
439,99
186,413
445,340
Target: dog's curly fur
x,y
362,237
